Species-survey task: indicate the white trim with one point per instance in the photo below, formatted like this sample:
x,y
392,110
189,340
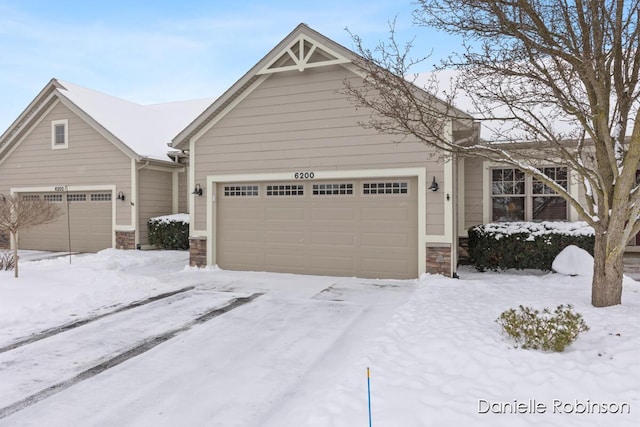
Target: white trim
x,y
54,125
78,188
29,130
420,173
462,231
134,200
487,166
191,201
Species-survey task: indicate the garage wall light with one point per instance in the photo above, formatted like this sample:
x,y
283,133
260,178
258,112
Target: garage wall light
x,y
434,185
120,196
198,190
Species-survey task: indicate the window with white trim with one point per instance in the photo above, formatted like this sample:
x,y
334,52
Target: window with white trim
x,y
332,189
59,134
240,190
285,190
517,197
401,187
100,197
76,198
53,197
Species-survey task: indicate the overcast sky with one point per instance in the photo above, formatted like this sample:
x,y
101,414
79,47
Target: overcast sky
x,y
160,50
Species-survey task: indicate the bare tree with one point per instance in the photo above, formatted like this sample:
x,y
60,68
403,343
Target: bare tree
x,y
18,213
560,74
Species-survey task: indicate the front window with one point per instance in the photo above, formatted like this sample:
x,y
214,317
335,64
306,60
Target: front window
x,y
516,197
508,195
59,134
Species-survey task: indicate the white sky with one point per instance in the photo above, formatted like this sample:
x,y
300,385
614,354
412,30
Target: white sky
x,y
162,50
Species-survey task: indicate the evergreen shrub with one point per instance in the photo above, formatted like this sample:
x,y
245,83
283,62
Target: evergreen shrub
x,y
169,232
525,245
532,329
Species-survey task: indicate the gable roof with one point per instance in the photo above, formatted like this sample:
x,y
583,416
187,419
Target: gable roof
x,y
303,48
142,131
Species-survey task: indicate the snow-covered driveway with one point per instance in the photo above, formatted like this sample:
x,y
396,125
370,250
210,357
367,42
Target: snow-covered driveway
x,y
168,362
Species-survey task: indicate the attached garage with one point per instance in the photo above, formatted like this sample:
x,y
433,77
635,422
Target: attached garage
x,y
84,226
346,227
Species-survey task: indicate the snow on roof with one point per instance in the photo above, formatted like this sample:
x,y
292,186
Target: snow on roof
x,y
146,129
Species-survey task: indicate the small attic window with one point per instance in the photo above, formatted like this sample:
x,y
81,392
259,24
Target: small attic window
x,y
59,134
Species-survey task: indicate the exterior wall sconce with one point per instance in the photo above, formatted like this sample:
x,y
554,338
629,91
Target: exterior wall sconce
x,y
434,185
198,190
120,196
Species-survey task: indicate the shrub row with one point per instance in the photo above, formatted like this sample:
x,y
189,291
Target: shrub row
x,y
169,232
523,245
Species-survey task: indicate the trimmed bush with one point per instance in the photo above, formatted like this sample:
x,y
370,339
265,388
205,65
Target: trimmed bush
x,y
169,232
521,245
542,331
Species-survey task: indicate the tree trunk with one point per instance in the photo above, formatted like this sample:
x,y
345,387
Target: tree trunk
x,y
15,254
608,269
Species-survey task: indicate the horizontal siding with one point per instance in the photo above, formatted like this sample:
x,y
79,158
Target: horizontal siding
x,y
473,191
296,121
155,198
90,160
183,191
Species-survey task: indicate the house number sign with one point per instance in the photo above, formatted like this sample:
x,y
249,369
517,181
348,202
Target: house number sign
x,y
304,175
60,188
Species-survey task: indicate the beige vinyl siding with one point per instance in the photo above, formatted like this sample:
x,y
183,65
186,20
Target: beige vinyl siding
x,y
90,160
183,191
154,198
299,121
473,192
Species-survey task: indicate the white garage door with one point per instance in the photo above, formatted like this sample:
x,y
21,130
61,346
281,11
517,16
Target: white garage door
x,y
364,228
86,218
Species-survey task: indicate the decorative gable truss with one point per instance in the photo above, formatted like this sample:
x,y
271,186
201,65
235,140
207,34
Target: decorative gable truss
x,y
301,54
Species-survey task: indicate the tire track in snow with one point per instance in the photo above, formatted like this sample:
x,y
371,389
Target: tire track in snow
x,y
142,347
80,322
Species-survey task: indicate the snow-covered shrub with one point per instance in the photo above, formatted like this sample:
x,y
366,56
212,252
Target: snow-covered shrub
x,y
7,261
498,246
542,331
169,232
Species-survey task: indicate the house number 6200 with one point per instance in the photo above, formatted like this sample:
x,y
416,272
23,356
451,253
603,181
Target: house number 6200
x,y
303,175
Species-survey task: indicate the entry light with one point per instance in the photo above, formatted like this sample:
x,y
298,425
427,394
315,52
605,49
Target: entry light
x,y
198,190
120,196
434,185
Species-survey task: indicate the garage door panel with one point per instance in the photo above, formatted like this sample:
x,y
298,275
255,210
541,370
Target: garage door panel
x,y
385,240
331,238
88,222
321,232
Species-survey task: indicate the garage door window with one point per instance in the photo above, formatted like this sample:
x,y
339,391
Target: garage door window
x,y
240,190
385,187
285,190
31,197
53,198
332,189
74,198
101,197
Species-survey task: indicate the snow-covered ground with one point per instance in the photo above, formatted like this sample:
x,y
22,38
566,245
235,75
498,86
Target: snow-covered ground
x,y
296,353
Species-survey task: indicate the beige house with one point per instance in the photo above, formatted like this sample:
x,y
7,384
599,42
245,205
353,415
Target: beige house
x,y
291,182
102,158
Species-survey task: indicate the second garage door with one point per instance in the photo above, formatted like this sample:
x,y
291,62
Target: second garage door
x,y
89,223
364,228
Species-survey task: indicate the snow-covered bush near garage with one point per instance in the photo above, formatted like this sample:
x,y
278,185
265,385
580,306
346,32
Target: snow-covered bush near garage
x,y
169,231
520,245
